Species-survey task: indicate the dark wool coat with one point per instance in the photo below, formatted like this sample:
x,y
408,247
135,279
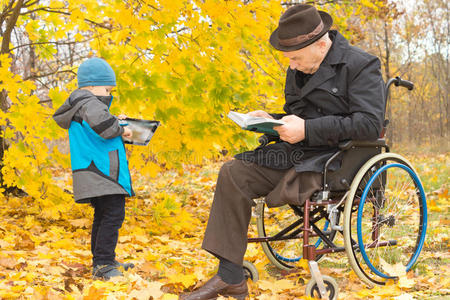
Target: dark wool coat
x,y
343,100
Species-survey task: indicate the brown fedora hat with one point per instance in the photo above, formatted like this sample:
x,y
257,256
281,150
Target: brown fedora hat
x,y
300,26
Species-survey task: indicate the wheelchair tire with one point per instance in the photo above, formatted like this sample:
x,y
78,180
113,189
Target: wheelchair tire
x,y
385,219
312,290
284,254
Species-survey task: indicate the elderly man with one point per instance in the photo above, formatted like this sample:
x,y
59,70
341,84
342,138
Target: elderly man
x,y
333,92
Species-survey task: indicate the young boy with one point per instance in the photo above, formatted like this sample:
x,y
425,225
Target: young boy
x,y
99,164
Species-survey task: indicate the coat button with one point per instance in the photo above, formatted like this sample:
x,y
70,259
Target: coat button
x,y
334,90
319,110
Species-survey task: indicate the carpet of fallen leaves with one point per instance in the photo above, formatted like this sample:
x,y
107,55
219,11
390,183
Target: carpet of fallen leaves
x,y
45,250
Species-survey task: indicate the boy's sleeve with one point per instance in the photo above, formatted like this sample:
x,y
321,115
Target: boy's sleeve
x,y
97,115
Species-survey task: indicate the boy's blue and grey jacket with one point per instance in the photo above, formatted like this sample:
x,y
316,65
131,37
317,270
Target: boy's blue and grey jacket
x,y
98,157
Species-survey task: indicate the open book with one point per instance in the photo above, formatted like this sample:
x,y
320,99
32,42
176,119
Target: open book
x,y
258,124
143,130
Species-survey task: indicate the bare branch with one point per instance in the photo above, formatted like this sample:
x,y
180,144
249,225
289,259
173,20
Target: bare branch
x,y
46,43
292,3
6,12
34,77
57,11
246,53
39,9
45,101
30,3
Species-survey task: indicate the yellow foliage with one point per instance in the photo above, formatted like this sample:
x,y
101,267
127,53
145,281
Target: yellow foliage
x,y
185,63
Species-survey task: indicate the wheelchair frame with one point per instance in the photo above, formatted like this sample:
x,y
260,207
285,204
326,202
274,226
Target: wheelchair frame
x,y
318,207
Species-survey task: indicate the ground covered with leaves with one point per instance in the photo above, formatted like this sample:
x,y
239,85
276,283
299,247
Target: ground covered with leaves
x,y
45,247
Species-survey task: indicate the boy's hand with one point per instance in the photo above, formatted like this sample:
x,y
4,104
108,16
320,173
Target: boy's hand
x,y
122,117
127,133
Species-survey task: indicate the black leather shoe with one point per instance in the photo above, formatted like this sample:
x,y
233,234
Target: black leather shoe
x,y
216,287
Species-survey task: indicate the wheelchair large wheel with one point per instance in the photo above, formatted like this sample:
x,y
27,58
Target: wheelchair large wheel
x,y
284,254
385,219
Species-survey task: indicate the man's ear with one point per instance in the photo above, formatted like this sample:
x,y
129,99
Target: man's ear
x,y
322,44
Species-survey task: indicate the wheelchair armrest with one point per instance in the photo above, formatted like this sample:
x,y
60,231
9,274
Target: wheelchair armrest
x,y
349,144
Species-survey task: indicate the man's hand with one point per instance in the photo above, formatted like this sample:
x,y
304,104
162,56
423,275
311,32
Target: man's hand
x,y
293,131
122,117
259,113
127,133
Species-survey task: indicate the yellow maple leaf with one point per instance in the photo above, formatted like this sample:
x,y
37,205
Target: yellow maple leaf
x,y
404,297
275,286
406,283
186,280
303,263
84,222
152,289
393,270
169,297
95,293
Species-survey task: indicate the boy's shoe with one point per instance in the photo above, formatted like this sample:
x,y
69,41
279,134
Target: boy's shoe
x,y
105,272
125,266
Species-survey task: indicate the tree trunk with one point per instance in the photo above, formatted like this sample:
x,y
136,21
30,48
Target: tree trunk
x,y
4,103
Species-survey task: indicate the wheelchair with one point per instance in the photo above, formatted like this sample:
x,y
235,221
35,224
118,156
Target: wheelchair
x,y
375,200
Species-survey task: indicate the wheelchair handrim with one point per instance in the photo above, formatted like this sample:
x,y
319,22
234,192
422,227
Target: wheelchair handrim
x,y
419,247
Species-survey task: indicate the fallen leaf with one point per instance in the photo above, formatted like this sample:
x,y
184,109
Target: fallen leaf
x,y
83,223
303,263
275,286
24,242
404,297
152,289
186,280
405,282
170,297
8,262
393,270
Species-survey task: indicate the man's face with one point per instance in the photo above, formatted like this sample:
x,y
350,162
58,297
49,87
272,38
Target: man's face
x,y
306,60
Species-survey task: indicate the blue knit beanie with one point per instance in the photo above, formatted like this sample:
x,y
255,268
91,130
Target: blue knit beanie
x,y
95,72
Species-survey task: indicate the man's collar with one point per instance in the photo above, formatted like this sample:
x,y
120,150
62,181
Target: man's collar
x,y
336,53
334,56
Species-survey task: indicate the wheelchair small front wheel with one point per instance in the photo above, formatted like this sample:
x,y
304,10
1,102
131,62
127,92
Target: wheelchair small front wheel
x,y
312,290
250,271
385,219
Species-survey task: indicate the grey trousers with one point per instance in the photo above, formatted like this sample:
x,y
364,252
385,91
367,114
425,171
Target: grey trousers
x,y
238,184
